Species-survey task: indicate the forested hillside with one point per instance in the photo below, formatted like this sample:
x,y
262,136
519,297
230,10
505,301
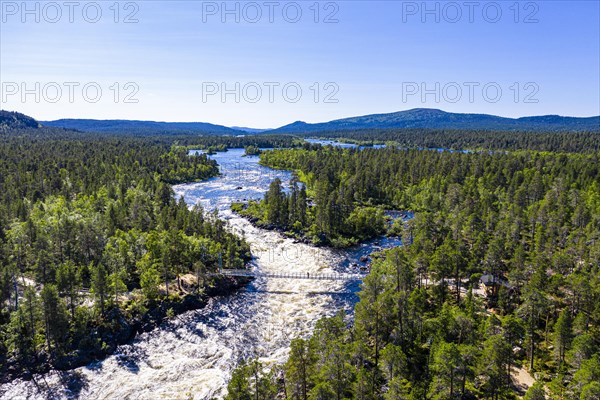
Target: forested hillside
x,y
143,128
14,120
429,118
92,240
426,326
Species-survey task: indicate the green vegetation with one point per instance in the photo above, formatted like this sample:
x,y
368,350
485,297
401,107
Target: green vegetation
x,y
92,236
14,120
429,118
424,326
252,150
323,223
222,143
459,139
251,144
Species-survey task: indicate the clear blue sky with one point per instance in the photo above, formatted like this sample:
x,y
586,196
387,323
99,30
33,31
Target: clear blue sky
x,y
377,57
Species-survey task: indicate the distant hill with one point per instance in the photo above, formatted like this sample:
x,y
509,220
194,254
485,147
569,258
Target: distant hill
x,y
426,118
141,127
250,130
15,120
419,118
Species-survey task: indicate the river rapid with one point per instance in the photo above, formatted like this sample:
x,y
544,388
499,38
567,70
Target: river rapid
x,y
192,355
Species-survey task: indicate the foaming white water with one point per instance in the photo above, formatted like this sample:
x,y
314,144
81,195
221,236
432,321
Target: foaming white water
x,y
192,356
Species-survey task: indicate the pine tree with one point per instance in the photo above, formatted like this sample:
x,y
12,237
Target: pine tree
x,y
238,387
535,392
276,204
149,277
68,282
446,361
493,365
99,284
301,206
55,319
534,304
562,336
22,335
298,370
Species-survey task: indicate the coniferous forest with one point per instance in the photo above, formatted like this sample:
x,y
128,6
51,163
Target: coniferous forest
x,y
498,276
92,219
300,200
571,142
499,273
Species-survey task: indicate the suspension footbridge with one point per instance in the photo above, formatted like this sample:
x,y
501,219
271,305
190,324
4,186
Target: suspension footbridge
x,y
291,275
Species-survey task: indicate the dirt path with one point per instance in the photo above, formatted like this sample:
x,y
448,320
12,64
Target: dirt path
x,y
522,380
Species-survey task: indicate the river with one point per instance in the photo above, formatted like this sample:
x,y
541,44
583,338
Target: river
x,y
192,355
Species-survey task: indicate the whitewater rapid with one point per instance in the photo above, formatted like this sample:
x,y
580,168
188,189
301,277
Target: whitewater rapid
x,y
192,355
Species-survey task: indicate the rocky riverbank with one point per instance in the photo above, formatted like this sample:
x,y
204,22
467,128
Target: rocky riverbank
x,y
299,238
119,327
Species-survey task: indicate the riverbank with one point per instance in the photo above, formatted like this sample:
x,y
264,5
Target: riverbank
x,y
194,353
258,223
386,226
120,326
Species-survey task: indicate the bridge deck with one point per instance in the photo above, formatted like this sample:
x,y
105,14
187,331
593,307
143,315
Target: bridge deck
x,y
291,275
